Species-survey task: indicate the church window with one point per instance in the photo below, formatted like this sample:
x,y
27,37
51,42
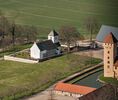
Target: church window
x,y
108,57
108,66
108,52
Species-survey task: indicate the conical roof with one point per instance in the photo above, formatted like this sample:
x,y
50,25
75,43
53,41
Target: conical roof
x,y
110,39
53,33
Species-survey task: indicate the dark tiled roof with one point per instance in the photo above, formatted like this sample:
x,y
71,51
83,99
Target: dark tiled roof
x,y
116,61
106,92
58,44
104,30
53,33
46,45
110,38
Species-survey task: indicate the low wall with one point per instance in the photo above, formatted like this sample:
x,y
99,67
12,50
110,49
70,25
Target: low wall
x,y
19,59
81,72
75,95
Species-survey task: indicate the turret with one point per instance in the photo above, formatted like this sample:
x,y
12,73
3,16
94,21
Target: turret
x,y
110,52
53,35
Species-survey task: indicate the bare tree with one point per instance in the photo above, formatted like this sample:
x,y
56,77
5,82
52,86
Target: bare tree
x,y
33,33
51,95
4,27
13,26
14,33
69,34
91,25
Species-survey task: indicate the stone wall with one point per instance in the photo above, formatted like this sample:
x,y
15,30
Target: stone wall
x,y
67,94
11,58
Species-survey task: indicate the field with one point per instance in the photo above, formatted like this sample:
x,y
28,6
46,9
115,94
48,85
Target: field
x,y
51,14
25,79
108,80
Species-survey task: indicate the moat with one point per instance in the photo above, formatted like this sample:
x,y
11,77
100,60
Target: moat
x,y
91,80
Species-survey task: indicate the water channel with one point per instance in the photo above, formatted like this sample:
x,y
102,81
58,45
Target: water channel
x,y
91,80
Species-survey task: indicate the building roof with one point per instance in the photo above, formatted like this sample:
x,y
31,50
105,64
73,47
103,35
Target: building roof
x,y
107,92
116,62
78,89
46,45
110,38
58,44
104,30
53,33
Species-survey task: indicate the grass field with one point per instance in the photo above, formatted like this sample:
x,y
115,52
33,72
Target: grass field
x,y
15,77
49,14
108,80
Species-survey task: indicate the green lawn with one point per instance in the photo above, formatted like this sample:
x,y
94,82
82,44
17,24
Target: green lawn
x,y
49,14
108,80
30,78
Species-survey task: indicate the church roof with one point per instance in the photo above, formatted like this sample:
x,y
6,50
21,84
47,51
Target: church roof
x,y
110,38
58,44
46,45
53,33
105,30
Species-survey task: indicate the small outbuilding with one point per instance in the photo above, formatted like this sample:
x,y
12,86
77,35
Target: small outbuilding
x,y
75,91
46,49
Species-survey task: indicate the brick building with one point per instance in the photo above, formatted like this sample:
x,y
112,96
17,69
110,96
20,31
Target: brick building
x,y
75,91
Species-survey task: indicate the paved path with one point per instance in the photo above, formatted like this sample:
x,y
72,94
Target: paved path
x,y
46,94
94,53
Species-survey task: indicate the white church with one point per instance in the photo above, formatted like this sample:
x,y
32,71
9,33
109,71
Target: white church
x,y
46,49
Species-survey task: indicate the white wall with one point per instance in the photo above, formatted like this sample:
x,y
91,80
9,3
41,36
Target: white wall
x,y
19,59
55,39
67,94
35,52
